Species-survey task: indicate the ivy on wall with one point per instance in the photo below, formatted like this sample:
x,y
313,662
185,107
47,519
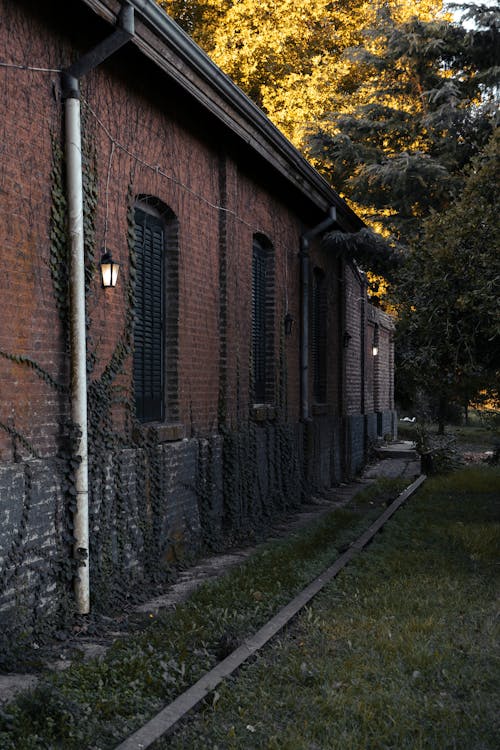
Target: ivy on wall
x,y
59,247
245,474
262,468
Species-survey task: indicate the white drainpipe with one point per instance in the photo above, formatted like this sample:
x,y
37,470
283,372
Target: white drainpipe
x,y
78,347
71,94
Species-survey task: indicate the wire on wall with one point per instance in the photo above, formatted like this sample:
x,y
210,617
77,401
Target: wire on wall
x,y
29,67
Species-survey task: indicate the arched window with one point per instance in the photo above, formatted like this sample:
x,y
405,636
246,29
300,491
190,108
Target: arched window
x,y
156,311
263,319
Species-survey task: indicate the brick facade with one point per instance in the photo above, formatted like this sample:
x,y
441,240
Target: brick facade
x,y
159,491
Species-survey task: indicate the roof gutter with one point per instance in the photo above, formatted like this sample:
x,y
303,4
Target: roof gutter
x,y
73,148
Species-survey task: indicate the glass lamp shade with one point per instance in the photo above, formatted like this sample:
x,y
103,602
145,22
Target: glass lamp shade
x,y
109,270
375,351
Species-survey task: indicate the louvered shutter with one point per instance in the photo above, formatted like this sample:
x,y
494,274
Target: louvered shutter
x,y
259,322
149,312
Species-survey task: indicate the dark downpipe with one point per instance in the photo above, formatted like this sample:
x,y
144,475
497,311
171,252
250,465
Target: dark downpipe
x,y
304,286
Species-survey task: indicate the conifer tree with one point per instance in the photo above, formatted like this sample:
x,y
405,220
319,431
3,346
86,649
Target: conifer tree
x,y
424,107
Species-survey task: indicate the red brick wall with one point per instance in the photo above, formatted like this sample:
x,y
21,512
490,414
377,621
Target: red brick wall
x,y
354,294
385,364
258,212
379,387
149,141
330,265
144,145
369,366
29,322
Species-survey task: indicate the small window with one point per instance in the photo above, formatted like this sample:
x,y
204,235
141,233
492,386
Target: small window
x,y
319,336
263,320
155,312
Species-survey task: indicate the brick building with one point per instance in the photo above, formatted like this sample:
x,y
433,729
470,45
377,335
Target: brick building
x,y
231,370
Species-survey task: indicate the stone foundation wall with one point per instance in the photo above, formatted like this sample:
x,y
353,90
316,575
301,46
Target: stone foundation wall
x,y
387,424
155,505
356,448
371,428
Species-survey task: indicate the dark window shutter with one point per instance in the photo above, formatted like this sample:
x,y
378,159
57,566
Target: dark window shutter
x,y
149,313
259,341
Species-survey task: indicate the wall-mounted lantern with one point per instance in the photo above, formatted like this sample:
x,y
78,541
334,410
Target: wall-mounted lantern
x,y
288,323
109,269
374,350
346,338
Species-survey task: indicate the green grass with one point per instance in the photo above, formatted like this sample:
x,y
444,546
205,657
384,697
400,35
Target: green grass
x,y
475,435
95,704
401,651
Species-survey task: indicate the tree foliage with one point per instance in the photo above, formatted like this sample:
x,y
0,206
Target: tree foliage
x,y
423,108
288,54
199,18
448,289
389,98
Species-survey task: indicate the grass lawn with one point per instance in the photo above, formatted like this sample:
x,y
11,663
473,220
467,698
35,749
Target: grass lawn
x,y
401,651
94,705
468,437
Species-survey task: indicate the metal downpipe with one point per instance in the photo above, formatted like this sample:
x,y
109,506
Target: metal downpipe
x,y
73,149
304,293
304,334
78,343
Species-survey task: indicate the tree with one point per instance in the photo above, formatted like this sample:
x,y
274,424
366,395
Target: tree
x,y
447,293
199,18
389,99
288,55
423,108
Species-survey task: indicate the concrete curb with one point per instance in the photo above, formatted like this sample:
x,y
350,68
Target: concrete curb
x,y
154,729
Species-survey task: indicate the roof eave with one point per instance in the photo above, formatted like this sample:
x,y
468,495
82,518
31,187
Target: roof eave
x,y
173,51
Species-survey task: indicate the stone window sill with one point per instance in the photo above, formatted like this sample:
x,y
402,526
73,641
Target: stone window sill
x,y
263,412
167,432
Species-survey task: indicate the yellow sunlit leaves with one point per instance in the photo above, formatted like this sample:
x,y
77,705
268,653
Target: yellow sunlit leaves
x,y
289,55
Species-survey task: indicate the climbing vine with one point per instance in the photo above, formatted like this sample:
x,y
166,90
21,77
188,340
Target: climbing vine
x,y
126,469
242,477
40,371
17,437
262,472
59,247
